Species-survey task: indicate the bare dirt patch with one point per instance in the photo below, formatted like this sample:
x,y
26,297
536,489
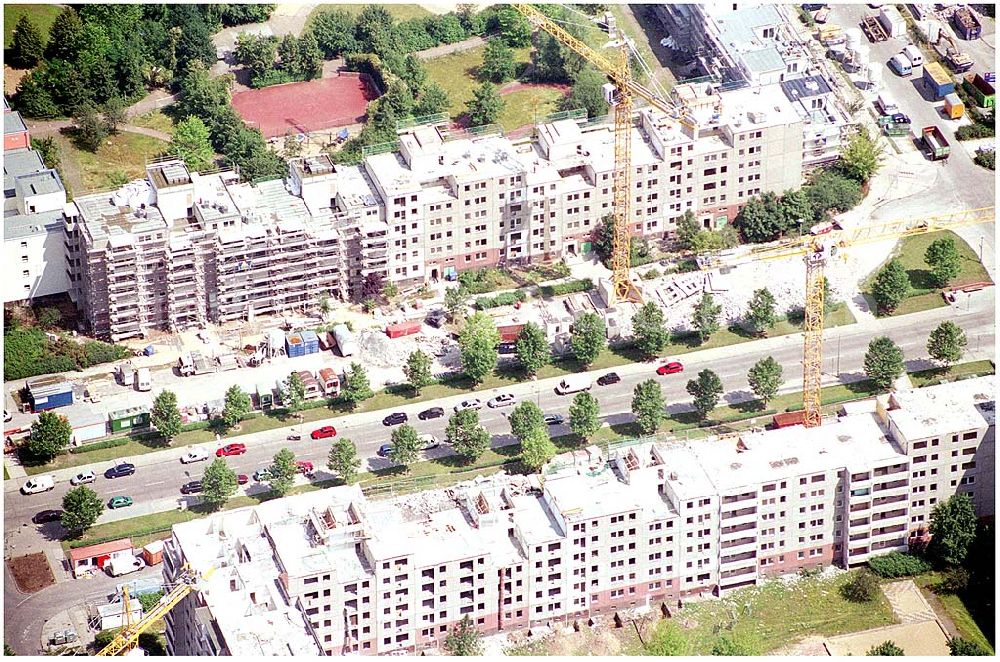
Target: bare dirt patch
x,y
11,78
31,572
926,638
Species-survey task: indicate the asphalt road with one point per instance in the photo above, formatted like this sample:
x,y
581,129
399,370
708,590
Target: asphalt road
x,y
159,477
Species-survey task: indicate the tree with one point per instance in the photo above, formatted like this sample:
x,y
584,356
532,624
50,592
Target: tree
x,y
588,93
514,28
191,142
357,389
885,648
705,318
464,639
114,113
705,390
585,415
478,342
26,45
946,343
650,329
891,286
334,32
964,647
405,445
944,260
603,239
687,228
433,100
165,416
859,158
343,459
647,406
50,434
91,131
589,338
795,208
765,379
537,448
760,219
862,587
237,407
195,40
455,299
418,370
33,98
81,508
466,436
373,22
64,36
761,316
399,98
218,484
485,106
498,62
668,640
293,392
527,416
831,192
883,362
256,52
953,529
283,471
310,56
532,348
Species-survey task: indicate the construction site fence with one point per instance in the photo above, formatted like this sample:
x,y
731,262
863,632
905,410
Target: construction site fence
x,y
574,114
421,120
375,489
380,148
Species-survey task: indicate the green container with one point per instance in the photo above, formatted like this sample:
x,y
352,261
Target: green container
x,y
124,420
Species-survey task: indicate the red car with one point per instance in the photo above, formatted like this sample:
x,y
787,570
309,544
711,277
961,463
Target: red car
x,y
231,449
324,432
304,466
670,368
242,479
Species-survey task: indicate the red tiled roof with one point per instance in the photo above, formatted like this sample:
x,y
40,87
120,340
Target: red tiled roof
x,y
91,551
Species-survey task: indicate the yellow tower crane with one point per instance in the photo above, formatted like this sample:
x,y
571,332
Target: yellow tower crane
x,y
625,87
127,638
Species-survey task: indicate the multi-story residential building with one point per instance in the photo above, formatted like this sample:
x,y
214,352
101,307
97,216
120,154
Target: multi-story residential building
x,y
654,524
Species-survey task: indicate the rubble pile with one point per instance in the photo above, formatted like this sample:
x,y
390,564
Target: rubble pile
x,y
380,351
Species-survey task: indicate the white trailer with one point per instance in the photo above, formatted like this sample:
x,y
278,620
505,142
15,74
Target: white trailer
x,y
892,21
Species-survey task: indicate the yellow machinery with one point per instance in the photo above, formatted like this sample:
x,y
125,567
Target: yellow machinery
x,y
126,639
620,73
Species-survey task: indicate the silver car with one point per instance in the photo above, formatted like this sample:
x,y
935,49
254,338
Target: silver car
x,y
502,400
474,403
82,478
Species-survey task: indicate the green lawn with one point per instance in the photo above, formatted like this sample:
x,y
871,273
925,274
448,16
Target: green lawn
x,y
120,159
154,119
399,12
528,106
456,74
641,38
923,294
43,16
954,607
776,615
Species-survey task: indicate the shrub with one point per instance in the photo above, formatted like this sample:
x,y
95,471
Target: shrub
x,y
956,581
975,131
986,158
896,564
502,299
651,274
110,443
569,287
863,587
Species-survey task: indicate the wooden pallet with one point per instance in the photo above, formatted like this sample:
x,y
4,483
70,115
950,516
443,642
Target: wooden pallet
x,y
873,29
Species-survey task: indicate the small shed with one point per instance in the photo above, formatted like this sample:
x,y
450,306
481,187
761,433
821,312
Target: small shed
x,y
87,426
265,396
111,614
124,420
152,553
84,560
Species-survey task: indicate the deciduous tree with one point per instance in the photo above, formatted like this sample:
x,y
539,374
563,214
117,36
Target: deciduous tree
x,y
526,417
466,435
218,484
192,143
165,416
587,93
761,315
537,448
514,28
464,639
81,508
498,62
283,471
334,32
648,406
705,390
705,318
418,370
91,131
589,338
432,100
943,258
585,415
50,434
687,227
357,388
293,392
946,343
883,362
485,106
891,286
343,459
650,329
532,348
953,529
478,342
405,445
885,648
963,647
237,407
859,158
765,379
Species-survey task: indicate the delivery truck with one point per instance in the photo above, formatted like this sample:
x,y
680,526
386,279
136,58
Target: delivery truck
x,y
574,384
936,144
937,80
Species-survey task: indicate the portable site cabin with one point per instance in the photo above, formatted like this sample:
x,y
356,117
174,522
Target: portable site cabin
x,y
84,560
88,425
953,106
49,392
124,420
265,396
312,385
329,382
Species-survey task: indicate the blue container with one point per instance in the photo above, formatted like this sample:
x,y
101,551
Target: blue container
x,y
310,342
54,400
294,345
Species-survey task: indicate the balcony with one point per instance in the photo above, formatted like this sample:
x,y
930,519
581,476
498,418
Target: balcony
x,y
881,487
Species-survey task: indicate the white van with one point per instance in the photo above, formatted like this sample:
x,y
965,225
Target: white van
x,y
913,54
38,484
886,104
143,380
574,384
900,65
119,566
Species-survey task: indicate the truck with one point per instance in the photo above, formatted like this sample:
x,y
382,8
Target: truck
x,y
574,384
185,365
123,565
896,129
143,380
937,80
966,24
956,60
831,35
892,21
979,89
935,143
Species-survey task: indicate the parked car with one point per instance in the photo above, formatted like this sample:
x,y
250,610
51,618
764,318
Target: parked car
x,y
428,442
474,403
242,479
608,379
231,449
262,475
194,455
7,416
507,348
119,470
118,567
502,400
433,412
384,450
192,487
554,419
324,432
395,419
900,118
45,516
670,368
83,477
119,502
436,318
304,466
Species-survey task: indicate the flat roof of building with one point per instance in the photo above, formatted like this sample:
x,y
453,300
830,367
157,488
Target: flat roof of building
x,y
43,182
945,408
805,87
12,123
17,162
23,226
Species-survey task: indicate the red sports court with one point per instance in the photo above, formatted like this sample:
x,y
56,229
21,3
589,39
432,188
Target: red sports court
x,y
314,105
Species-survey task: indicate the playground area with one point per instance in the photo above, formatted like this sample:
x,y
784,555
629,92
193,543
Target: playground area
x,y
313,106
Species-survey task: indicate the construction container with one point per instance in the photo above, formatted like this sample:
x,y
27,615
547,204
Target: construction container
x,y
937,145
265,396
49,392
312,387
892,22
894,129
509,332
310,342
152,553
294,346
966,23
329,381
953,106
326,341
937,80
403,329
124,420
979,89
789,419
345,340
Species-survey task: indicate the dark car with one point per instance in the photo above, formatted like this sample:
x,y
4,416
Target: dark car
x,y
191,488
554,419
900,118
436,318
44,516
433,412
507,348
608,379
119,470
395,419
242,479
384,450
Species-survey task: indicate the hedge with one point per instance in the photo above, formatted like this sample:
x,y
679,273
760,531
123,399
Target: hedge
x,y
110,443
897,564
569,287
502,299
149,530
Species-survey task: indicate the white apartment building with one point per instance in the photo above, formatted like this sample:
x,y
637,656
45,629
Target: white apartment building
x,y
654,524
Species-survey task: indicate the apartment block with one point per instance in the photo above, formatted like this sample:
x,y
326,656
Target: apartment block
x,y
651,525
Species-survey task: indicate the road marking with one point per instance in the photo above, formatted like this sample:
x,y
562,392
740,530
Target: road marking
x,y
115,491
157,483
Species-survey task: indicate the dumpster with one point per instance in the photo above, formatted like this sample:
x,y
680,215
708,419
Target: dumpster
x,y
403,329
981,90
953,106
